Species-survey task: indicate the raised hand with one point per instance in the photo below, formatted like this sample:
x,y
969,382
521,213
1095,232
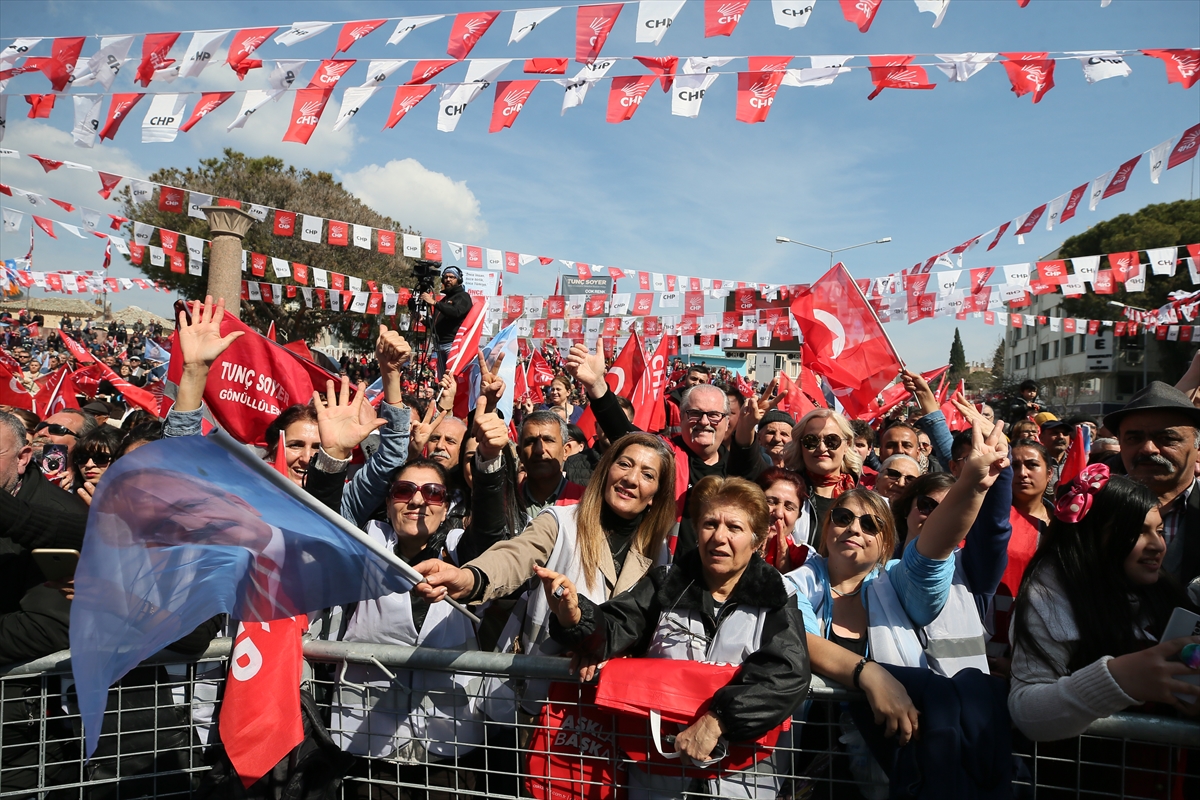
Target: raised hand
x,y
925,397
341,422
588,368
491,433
391,350
971,413
422,429
491,385
200,341
449,390
560,595
757,407
987,457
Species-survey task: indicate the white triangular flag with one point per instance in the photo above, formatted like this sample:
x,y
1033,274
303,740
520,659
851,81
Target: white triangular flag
x,y
12,219
1054,209
457,250
352,100
1163,260
947,281
320,278
195,266
106,63
688,93
380,71
1098,187
258,212
793,13
197,201
163,118
362,236
195,246
411,245
253,291
1100,65
310,227
90,218
935,7
697,65
407,25
18,49
70,228
1158,159
252,101
200,52
824,71
283,76
457,96
301,31
141,191
1136,282
653,19
1017,274
961,66
526,19
1086,267
87,119
577,87
281,267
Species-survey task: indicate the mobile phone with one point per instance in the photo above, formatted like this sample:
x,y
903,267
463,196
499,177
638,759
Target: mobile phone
x,y
56,565
54,459
1183,623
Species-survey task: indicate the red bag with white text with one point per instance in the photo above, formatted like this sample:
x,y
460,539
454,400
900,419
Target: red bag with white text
x,y
571,755
656,698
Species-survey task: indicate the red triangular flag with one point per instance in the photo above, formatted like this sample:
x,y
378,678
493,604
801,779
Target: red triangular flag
x,y
108,182
155,47
353,31
467,30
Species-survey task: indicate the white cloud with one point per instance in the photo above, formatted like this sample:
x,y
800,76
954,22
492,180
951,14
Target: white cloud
x,y
429,201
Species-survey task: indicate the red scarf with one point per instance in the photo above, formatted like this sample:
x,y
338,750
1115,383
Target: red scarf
x,y
840,481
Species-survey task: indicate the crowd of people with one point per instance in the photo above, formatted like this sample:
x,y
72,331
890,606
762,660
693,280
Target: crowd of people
x,y
923,566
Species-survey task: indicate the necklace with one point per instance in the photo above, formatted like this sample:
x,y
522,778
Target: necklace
x,y
847,594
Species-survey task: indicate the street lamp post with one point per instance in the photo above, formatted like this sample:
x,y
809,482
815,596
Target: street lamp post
x,y
1145,341
785,240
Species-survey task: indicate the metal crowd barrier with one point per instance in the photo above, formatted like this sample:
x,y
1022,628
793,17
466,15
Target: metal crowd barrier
x,y
159,736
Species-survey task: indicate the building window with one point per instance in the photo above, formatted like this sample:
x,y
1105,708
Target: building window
x,y
1046,351
1056,348
1082,341
1031,358
1069,345
1017,361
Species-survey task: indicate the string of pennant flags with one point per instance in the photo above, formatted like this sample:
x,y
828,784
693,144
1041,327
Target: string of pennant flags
x,y
593,25
688,80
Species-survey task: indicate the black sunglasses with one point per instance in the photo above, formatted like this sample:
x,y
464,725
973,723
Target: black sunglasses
x,y
99,459
926,504
844,518
832,441
55,429
898,476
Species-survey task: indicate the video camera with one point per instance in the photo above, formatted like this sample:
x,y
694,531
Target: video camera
x,y
426,272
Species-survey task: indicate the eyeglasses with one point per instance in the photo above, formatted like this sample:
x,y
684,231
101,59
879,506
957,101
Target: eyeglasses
x,y
832,441
99,459
926,504
898,476
844,518
55,429
714,417
433,493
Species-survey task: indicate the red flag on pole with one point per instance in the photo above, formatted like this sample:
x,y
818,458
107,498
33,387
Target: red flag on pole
x,y
261,720
651,415
844,340
540,374
466,340
1077,458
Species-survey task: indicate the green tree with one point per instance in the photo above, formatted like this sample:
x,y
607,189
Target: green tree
x,y
270,182
958,359
1158,225
998,362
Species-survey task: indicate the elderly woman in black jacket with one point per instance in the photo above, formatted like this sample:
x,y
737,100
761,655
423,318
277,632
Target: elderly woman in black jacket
x,y
721,603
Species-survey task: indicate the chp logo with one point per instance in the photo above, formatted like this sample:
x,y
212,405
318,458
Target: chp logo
x,y
514,101
331,71
866,8
1188,64
247,46
633,93
762,92
796,11
474,28
361,30
310,112
599,27
731,13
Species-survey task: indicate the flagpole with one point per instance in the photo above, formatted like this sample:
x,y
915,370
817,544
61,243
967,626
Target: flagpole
x,y
243,454
867,303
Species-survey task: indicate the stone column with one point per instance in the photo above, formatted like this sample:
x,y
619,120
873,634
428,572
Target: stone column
x,y
228,226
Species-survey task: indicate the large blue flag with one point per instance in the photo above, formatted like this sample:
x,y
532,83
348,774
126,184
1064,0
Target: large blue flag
x,y
184,529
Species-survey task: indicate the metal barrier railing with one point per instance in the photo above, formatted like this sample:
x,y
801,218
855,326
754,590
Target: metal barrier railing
x,y
420,725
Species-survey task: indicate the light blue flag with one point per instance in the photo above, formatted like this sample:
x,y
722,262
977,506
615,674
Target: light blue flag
x,y
154,352
503,342
184,529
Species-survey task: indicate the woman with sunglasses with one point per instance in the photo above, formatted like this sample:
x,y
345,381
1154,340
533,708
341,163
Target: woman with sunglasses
x,y
861,607
719,603
93,455
1091,607
428,722
821,454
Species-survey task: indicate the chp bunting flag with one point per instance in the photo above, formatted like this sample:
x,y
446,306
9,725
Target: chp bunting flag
x,y
405,100
467,30
209,102
1185,150
626,95
511,97
860,12
1029,73
896,72
1121,178
245,42
205,505
1183,66
755,94
722,16
844,340
592,26
539,373
155,47
118,109
353,31
58,67
306,113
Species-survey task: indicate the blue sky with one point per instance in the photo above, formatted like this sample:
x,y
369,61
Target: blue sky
x,y
703,196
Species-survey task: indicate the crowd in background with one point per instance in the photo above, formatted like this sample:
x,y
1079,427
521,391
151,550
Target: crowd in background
x,y
915,563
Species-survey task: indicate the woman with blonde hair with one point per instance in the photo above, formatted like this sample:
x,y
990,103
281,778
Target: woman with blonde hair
x,y
821,453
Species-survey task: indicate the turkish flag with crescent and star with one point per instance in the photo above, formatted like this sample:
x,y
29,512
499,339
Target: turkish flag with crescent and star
x,y
844,340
